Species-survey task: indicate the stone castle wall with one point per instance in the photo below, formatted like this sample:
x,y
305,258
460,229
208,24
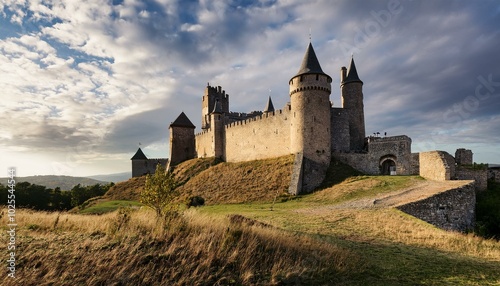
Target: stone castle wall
x,y
265,136
340,130
494,174
434,166
415,164
397,148
480,176
450,210
204,142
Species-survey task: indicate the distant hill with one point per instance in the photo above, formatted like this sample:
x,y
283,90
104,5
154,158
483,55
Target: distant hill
x,y
115,178
52,181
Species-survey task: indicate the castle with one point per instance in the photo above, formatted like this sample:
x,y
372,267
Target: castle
x,y
311,128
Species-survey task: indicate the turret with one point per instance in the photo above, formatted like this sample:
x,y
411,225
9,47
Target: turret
x,y
139,164
211,96
269,106
351,88
182,142
310,115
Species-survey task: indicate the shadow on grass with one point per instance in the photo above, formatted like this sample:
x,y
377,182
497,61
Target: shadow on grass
x,y
389,263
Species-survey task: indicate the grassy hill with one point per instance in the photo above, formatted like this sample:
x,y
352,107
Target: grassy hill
x,y
330,237
220,182
52,181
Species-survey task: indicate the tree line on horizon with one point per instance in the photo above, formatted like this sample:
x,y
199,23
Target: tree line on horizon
x,y
41,198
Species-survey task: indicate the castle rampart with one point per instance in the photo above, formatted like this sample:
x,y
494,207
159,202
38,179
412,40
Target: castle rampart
x,y
451,210
262,137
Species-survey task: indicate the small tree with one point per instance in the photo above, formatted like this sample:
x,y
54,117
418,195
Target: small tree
x,y
159,192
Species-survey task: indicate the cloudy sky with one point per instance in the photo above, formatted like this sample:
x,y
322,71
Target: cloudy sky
x,y
83,82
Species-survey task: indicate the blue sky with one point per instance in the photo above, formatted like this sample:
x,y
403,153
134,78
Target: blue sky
x,y
83,82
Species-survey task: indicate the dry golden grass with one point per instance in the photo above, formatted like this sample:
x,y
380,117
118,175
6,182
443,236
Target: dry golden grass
x,y
128,190
129,248
219,182
253,181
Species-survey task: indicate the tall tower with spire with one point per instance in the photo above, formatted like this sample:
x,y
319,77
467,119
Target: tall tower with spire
x,y
310,132
351,88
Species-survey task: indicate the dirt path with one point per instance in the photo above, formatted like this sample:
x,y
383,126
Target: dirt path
x,y
416,192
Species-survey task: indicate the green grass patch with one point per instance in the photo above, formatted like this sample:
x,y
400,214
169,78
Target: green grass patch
x,y
396,248
382,184
109,206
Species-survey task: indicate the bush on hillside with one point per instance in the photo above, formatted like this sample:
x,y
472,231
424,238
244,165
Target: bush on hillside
x,y
195,201
159,192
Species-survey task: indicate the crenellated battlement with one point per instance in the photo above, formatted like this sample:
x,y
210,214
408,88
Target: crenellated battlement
x,y
257,118
202,132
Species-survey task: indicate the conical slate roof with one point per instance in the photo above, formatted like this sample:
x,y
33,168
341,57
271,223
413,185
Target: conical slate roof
x,y
182,121
352,74
139,155
269,106
217,107
310,63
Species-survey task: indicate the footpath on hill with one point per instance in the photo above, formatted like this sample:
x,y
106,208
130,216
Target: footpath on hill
x,y
416,192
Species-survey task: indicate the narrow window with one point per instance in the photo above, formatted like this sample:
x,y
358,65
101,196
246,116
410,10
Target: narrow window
x,y
317,77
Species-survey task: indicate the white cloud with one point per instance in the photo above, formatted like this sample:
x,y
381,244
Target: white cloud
x,y
105,77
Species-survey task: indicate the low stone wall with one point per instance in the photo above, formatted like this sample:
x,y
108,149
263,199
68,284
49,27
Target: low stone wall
x,y
450,210
480,176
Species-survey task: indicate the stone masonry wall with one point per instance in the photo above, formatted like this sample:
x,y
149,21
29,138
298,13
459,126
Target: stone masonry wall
x,y
494,174
434,166
480,176
359,161
415,164
397,147
181,144
450,210
148,166
266,136
340,130
204,144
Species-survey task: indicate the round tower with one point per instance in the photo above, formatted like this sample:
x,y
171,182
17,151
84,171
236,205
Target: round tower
x,y
310,115
351,88
310,92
